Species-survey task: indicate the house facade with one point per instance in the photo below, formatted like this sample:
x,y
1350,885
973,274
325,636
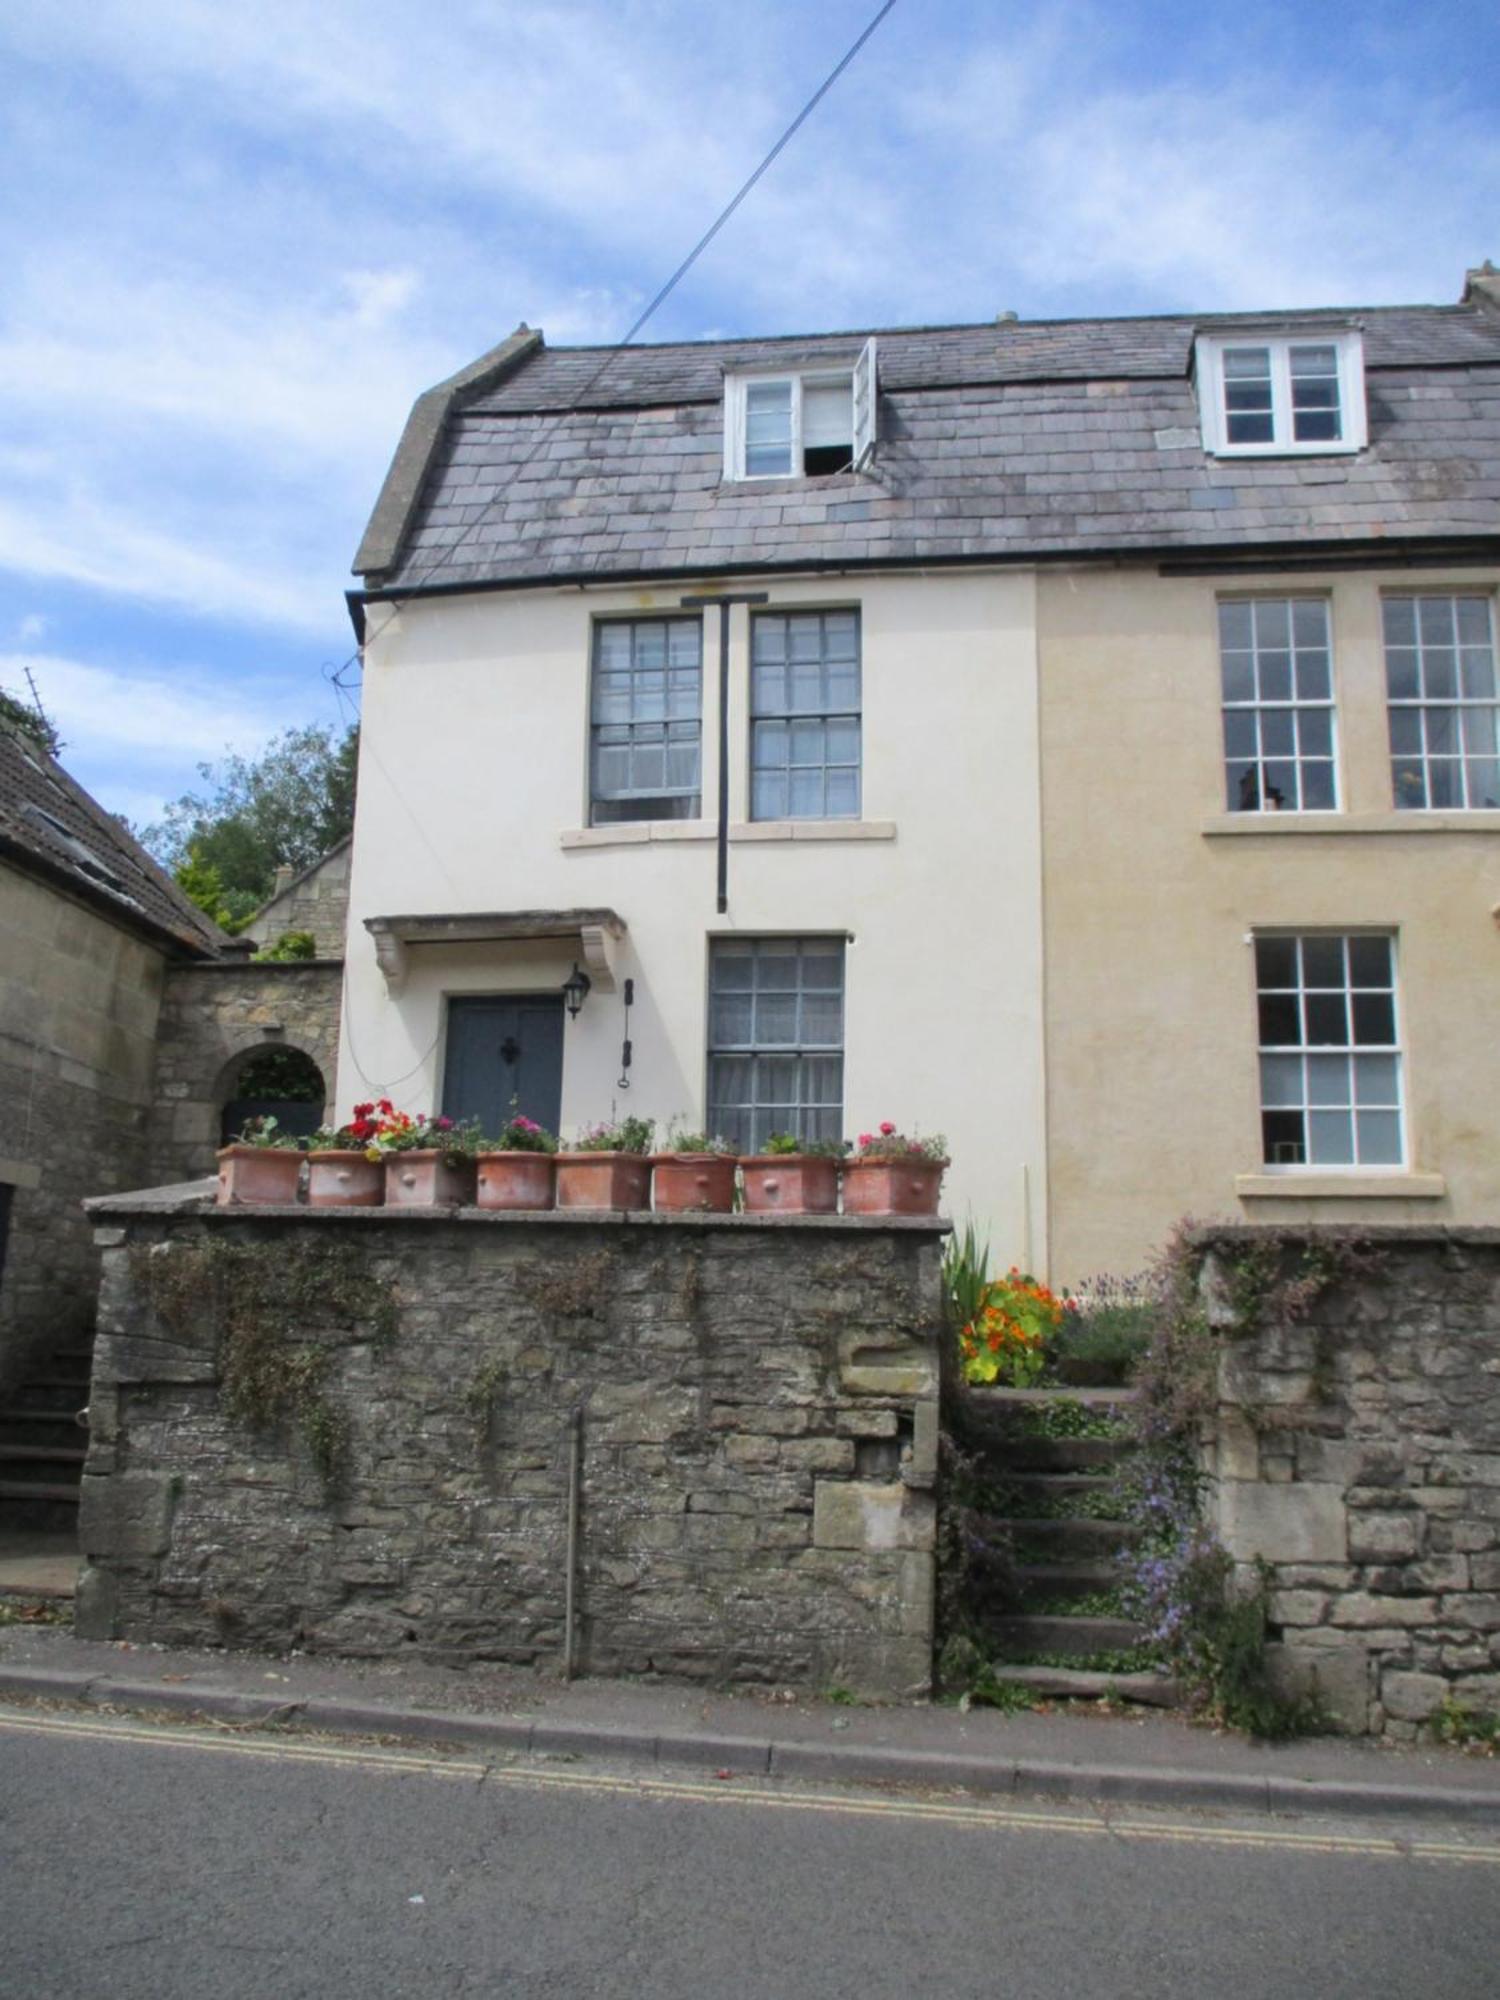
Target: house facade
x,y
1076,737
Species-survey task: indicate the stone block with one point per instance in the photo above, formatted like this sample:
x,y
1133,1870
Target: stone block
x,y
1359,1608
1297,1607
96,1603
128,1514
818,1454
862,1423
1484,1572
1471,1610
1384,1537
1237,1446
922,1465
1293,1523
1412,1697
751,1452
853,1514
1337,1678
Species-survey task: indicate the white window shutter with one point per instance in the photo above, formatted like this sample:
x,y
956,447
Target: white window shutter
x,y
864,406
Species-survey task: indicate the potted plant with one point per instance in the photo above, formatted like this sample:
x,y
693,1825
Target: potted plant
x,y
794,1176
893,1174
607,1166
262,1167
515,1167
429,1161
345,1167
693,1173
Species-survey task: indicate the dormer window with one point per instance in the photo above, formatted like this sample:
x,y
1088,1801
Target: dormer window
x,y
800,425
1279,396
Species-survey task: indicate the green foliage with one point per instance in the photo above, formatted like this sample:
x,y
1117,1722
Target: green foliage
x,y
621,1135
1066,1417
1459,1722
272,1305
809,1149
277,1072
1098,1345
30,721
286,809
694,1142
966,1274
291,948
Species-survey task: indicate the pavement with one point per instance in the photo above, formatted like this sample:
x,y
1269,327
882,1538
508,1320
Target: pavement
x,y
1078,1751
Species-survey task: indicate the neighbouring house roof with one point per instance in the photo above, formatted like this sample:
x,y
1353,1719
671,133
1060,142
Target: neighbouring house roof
x,y
50,827
1006,441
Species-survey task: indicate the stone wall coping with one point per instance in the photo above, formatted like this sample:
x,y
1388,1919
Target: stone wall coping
x,y
1477,1235
197,1198
243,965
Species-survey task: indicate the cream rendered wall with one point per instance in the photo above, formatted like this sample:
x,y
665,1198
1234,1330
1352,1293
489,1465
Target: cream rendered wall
x,y
473,796
1151,890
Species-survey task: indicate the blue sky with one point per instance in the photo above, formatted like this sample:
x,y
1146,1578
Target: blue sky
x,y
237,242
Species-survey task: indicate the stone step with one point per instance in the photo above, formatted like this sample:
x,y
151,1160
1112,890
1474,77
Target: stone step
x,y
997,1398
1065,1579
49,1392
1055,1633
1062,1541
39,1489
1045,1454
39,1427
1087,1684
42,1454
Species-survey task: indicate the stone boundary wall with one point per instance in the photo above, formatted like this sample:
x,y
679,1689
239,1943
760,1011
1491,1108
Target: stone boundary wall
x,y
1357,1450
212,1017
759,1431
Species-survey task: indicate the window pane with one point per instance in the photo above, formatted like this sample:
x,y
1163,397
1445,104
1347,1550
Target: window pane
x,y
1275,676
1317,788
1323,961
1375,1080
1276,961
1314,682
1379,1135
814,699
1315,732
1283,683
1330,1139
1234,626
1370,961
1283,1138
1374,1019
643,764
1328,1080
791,1080
1238,675
1281,1080
1399,616
827,413
1280,1021
1327,1018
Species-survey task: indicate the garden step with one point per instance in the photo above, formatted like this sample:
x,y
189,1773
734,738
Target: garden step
x,y
1055,1454
1066,1579
1089,1684
1055,1633
38,1489
1024,1399
39,1427
1058,1540
43,1454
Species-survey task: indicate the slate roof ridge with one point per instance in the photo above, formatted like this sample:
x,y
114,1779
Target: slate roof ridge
x,y
43,809
1252,314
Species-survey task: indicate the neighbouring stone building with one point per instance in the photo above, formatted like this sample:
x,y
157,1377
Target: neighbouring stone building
x,y
89,931
126,1019
315,902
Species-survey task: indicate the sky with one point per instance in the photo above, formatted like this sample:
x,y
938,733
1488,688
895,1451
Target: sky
x,y
236,243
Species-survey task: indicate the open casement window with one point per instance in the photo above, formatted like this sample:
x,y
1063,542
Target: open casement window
x,y
800,425
1278,396
1330,1056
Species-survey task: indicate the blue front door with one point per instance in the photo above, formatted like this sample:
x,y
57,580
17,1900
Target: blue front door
x,y
504,1058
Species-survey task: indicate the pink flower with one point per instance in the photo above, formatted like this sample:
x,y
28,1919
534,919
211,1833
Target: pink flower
x,y
867,1138
887,1129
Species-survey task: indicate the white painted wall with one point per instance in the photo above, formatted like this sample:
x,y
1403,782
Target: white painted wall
x,y
474,769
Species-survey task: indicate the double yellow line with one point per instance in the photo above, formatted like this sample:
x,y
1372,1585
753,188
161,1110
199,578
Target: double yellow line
x,y
243,1740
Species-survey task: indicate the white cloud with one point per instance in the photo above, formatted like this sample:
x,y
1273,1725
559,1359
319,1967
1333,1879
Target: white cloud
x,y
103,711
32,627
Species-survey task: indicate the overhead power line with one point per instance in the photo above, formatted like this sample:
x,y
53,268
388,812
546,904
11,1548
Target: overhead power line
x,y
650,310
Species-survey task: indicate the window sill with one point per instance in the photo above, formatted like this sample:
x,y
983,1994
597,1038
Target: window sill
x,y
1279,824
643,832
751,831
636,833
1317,1185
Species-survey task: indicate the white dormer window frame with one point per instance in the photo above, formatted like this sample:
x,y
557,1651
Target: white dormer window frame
x,y
781,415
1280,395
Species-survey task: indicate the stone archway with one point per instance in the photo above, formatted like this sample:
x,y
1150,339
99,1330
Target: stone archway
x,y
218,1018
273,1080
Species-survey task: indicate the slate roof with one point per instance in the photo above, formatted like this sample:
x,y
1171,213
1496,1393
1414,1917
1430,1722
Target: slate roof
x,y
1007,441
50,825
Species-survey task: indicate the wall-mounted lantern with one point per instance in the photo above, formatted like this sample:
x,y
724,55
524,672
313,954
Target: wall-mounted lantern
x,y
575,990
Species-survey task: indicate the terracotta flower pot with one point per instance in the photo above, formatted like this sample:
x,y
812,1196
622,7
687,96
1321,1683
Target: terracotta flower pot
x,y
688,1182
515,1180
344,1180
427,1179
892,1187
603,1180
255,1176
791,1184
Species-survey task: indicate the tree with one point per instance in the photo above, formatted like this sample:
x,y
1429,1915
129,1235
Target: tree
x,y
30,719
285,810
